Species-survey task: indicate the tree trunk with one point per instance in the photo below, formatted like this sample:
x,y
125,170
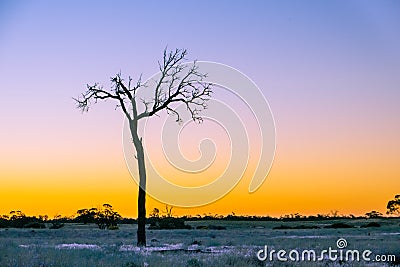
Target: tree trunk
x,y
141,232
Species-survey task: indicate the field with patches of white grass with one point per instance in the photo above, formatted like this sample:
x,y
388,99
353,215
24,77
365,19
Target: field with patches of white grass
x,y
238,245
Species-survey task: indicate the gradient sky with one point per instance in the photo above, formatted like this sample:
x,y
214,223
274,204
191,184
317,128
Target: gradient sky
x,y
329,69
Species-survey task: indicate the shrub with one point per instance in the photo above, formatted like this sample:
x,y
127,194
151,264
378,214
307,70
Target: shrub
x,y
371,224
169,223
56,225
107,218
86,216
339,225
36,225
373,214
4,223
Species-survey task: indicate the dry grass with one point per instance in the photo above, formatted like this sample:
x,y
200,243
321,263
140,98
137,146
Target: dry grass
x,y
85,245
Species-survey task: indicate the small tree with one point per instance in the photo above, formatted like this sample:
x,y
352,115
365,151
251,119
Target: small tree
x,y
393,206
155,213
373,214
166,221
107,218
178,84
43,218
168,211
86,215
16,215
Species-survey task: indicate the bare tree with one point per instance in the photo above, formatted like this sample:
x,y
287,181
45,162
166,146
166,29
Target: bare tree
x,y
177,84
168,211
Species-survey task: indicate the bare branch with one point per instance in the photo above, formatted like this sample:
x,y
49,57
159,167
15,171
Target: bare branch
x,y
170,67
124,94
178,83
93,94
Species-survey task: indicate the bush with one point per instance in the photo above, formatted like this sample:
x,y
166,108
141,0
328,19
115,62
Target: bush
x,y
36,225
371,224
169,223
86,216
211,227
56,225
4,223
107,218
339,225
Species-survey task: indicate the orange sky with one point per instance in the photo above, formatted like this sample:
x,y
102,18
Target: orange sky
x,y
313,172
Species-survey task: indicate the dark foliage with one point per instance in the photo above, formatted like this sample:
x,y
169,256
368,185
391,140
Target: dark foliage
x,y
339,225
4,223
168,223
107,218
36,225
373,214
393,206
56,225
127,221
371,224
17,219
282,227
86,216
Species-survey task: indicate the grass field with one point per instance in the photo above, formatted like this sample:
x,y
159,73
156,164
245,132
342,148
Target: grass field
x,y
85,245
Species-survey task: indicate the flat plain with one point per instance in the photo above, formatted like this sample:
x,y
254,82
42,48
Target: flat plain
x,y
237,245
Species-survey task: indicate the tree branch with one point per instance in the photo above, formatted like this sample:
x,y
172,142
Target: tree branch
x,y
178,83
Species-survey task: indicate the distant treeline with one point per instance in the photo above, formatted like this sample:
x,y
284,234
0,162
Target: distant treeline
x,y
104,217
107,218
288,217
156,214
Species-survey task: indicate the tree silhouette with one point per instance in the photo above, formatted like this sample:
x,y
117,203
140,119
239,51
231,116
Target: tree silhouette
x,y
106,218
86,215
373,214
393,205
178,84
155,213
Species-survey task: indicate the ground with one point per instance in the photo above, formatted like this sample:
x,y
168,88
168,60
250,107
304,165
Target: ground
x,y
85,245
